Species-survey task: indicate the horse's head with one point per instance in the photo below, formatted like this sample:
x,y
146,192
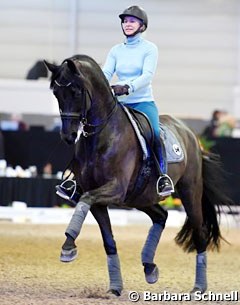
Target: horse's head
x,y
69,87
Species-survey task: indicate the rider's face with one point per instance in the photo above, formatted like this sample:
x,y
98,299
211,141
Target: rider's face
x,y
131,25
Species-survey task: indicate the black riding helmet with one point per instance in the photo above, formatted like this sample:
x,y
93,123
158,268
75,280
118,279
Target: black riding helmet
x,y
135,11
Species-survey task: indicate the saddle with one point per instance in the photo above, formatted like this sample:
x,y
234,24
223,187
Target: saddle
x,y
142,128
145,135
143,124
144,132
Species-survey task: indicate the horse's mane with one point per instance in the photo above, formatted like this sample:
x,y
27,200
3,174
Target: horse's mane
x,y
96,67
78,59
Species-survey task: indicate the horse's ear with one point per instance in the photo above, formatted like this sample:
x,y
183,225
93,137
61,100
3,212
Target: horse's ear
x,y
73,68
51,67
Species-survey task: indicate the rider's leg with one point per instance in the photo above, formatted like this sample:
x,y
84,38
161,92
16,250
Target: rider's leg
x,y
164,184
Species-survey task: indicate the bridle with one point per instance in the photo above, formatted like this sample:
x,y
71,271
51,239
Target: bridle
x,y
87,98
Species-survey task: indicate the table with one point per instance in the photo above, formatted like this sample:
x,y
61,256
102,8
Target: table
x,y
37,147
36,192
229,151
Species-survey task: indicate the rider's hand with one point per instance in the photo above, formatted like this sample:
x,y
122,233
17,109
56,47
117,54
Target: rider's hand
x,y
120,90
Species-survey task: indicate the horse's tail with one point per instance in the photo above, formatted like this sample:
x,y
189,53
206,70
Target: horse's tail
x,y
213,198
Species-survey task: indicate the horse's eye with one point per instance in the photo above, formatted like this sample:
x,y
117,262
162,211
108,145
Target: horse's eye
x,y
76,92
73,90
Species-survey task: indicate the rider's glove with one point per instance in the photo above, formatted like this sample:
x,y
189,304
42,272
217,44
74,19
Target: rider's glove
x,y
120,90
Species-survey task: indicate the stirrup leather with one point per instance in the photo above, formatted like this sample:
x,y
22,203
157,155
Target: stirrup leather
x,y
167,193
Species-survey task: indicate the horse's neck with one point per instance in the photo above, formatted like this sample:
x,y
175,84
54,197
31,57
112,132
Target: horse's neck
x,y
101,107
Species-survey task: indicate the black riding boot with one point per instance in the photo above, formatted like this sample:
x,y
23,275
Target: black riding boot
x,y
164,185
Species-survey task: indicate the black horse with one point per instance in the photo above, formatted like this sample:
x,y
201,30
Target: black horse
x,y
108,159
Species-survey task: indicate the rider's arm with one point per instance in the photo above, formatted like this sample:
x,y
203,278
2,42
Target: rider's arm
x,y
148,70
109,67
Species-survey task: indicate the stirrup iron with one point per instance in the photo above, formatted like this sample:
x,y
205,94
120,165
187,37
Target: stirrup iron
x,y
62,195
166,193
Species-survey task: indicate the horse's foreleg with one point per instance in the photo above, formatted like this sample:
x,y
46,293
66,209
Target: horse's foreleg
x,y
104,194
69,249
102,217
159,217
115,276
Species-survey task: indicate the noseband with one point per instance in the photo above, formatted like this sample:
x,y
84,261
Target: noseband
x,y
83,117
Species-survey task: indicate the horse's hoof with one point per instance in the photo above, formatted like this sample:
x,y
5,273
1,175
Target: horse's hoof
x,y
115,292
67,256
196,290
151,273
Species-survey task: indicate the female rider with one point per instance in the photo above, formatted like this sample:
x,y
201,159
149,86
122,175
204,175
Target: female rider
x,y
134,62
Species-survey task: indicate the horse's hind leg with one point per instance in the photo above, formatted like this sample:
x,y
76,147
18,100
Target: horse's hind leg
x,y
192,236
101,215
158,216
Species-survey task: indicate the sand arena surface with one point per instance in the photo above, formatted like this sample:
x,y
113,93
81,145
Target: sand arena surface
x,y
31,273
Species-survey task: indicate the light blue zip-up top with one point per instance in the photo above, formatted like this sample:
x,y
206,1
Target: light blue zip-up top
x,y
134,62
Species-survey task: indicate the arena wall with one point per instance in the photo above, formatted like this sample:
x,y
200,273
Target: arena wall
x,y
198,42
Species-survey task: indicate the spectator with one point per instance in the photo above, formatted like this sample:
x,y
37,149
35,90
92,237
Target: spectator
x,y
226,124
21,125
47,170
221,125
210,130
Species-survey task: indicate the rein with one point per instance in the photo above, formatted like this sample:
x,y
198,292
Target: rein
x,y
83,121
99,126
